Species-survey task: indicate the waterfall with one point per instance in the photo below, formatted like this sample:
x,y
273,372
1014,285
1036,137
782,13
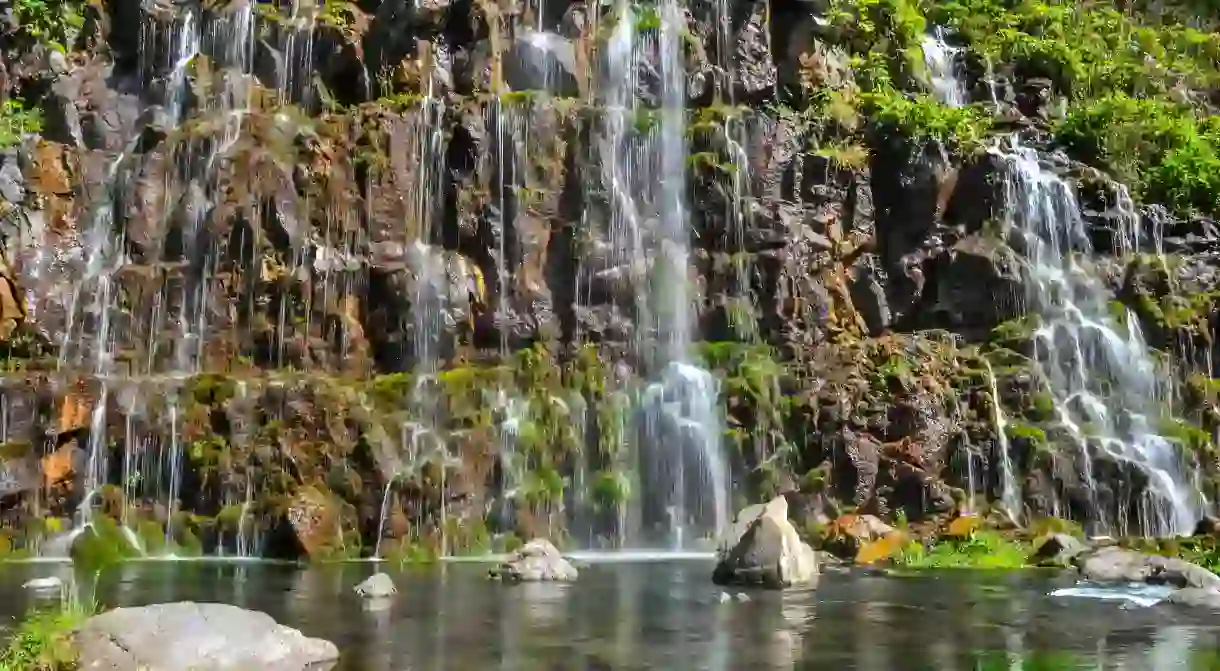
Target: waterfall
x,y
1101,375
943,62
683,473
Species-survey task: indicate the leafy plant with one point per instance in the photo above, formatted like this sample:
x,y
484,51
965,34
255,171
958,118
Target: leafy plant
x,y
55,22
981,549
43,641
16,121
1160,148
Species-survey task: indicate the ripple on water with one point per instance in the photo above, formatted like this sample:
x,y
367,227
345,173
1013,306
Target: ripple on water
x,y
643,612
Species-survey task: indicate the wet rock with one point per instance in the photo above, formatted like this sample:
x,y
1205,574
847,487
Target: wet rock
x,y
762,548
536,561
314,520
12,185
1115,564
542,61
1196,597
1058,550
376,586
851,532
178,636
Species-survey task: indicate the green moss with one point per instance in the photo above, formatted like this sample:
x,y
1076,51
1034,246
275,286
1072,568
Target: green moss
x,y
1042,408
152,537
102,544
981,550
1185,434
1021,430
610,489
16,449
1014,334
211,389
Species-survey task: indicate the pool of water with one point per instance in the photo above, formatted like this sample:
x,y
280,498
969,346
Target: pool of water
x,y
667,615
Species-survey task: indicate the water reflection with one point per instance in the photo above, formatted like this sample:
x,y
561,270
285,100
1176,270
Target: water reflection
x,y
669,616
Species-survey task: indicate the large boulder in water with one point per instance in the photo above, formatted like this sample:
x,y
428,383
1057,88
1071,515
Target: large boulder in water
x,y
187,635
1115,564
762,548
536,561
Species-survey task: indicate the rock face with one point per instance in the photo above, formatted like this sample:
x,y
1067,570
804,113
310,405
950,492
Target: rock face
x,y
376,586
536,561
763,549
1114,564
188,636
258,257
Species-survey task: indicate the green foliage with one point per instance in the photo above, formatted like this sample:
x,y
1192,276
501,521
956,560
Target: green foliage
x,y
1087,49
16,121
1160,148
43,641
102,544
883,35
920,119
1186,434
980,550
54,22
1021,430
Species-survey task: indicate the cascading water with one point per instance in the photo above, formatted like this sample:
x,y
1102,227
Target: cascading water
x,y
943,63
1104,382
683,474
1010,491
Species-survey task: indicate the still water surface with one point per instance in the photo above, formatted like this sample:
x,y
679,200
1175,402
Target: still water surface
x,y
668,616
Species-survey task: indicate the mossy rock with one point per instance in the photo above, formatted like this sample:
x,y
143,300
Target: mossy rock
x,y
102,544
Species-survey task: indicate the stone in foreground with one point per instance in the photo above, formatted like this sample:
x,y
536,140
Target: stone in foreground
x,y
197,637
1196,597
376,586
536,561
1115,564
762,548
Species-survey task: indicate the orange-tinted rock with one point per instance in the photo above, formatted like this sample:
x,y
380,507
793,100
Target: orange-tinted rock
x,y
314,519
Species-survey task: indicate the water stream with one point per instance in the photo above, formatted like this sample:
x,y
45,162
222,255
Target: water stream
x,y
1106,386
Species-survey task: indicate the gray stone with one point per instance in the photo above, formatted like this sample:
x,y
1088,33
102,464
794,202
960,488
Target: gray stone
x,y
198,637
1058,550
762,548
376,586
1196,597
542,61
1115,564
536,561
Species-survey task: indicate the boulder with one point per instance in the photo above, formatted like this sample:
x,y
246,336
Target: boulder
x,y
186,635
376,586
1196,597
1115,564
762,548
536,561
1057,549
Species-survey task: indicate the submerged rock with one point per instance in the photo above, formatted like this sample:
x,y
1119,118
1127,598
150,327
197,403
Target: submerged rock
x,y
763,549
184,635
537,561
376,586
1115,564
